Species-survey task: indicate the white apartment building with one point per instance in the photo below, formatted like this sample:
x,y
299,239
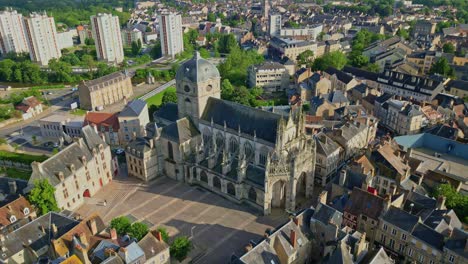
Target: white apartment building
x,y
271,76
131,35
12,32
310,32
108,38
42,38
170,31
275,25
65,39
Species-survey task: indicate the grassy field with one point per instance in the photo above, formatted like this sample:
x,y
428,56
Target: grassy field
x,y
16,174
20,157
157,99
78,112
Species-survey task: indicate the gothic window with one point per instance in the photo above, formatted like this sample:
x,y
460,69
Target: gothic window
x,y
262,157
187,88
249,151
217,183
233,145
231,189
203,177
170,151
252,194
219,140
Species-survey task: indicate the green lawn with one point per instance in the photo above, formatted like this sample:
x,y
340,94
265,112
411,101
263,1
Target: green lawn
x,y
78,112
16,173
157,99
20,157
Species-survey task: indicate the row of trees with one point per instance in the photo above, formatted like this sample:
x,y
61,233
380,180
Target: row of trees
x,y
454,200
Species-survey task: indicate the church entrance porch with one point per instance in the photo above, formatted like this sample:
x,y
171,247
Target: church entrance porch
x,y
278,196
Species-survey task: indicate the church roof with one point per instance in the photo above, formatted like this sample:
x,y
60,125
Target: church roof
x,y
197,69
250,120
180,131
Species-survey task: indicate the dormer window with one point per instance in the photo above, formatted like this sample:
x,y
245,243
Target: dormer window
x,y
26,211
12,218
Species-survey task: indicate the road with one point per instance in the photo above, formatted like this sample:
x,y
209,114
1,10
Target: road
x,y
158,89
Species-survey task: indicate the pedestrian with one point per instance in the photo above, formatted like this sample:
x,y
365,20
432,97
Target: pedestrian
x,y
105,202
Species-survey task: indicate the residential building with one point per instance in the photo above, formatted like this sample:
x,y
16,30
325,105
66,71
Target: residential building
x,y
275,25
12,32
401,117
131,35
458,88
60,127
271,76
328,159
42,38
170,33
15,211
106,125
315,85
410,86
65,39
424,28
340,80
155,249
37,235
133,120
78,171
309,32
106,33
143,156
423,60
285,47
30,106
351,137
106,90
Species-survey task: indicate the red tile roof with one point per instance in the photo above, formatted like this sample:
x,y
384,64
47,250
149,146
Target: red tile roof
x,y
15,208
102,119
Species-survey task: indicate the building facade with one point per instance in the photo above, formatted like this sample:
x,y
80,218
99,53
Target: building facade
x,y
271,76
42,38
133,120
108,39
109,89
78,171
170,32
131,35
12,33
275,25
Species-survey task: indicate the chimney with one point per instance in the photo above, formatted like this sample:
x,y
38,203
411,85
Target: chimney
x,y
93,226
12,186
113,234
293,238
159,236
41,227
296,220
82,237
342,177
322,198
54,230
151,143
440,202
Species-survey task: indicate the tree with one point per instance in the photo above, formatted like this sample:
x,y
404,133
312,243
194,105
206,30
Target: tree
x,y
135,48
164,233
138,230
454,200
359,61
403,33
211,17
121,225
61,71
448,48
335,59
226,43
156,51
6,70
204,53
373,68
42,197
169,96
305,57
180,248
442,67
89,42
227,90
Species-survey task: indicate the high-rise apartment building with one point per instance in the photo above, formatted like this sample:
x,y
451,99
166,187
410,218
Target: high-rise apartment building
x,y
42,38
170,31
275,25
107,37
12,32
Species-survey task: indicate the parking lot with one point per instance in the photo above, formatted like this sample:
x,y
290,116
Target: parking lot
x,y
218,227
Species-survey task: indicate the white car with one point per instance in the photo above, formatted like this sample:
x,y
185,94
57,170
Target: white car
x,y
119,151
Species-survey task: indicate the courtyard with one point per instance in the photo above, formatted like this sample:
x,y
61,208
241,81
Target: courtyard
x,y
218,227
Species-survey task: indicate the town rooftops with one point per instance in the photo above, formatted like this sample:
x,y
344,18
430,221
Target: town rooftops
x,y
366,203
457,84
19,208
27,103
268,65
438,144
341,75
327,214
151,245
400,218
428,235
103,121
325,145
414,83
180,131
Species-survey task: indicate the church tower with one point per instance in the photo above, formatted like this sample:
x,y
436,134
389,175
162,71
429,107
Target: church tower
x,y
196,81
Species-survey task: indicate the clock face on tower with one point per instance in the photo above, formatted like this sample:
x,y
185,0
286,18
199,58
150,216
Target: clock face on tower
x,y
186,88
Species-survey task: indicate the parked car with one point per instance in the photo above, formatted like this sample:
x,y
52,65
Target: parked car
x,y
119,151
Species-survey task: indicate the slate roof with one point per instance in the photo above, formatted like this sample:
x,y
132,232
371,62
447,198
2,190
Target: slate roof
x,y
32,235
336,97
151,245
134,252
133,109
5,188
400,218
327,214
169,112
141,144
197,70
457,242
353,179
458,84
325,145
250,120
363,202
341,75
104,81
98,253
341,254
180,131
377,256
360,73
383,98
428,235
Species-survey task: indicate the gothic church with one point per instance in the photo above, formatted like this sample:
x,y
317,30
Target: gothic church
x,y
245,154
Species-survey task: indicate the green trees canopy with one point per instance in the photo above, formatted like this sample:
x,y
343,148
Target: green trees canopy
x,y
336,59
138,230
454,200
180,248
42,197
169,96
164,234
236,64
448,48
121,225
305,57
226,43
442,67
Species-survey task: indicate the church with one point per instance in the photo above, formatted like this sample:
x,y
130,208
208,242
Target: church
x,y
247,155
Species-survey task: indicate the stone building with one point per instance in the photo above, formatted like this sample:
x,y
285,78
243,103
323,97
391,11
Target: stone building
x,y
109,89
133,120
271,76
245,154
142,158
78,171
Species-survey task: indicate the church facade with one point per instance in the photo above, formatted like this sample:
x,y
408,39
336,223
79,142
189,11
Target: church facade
x,y
245,154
